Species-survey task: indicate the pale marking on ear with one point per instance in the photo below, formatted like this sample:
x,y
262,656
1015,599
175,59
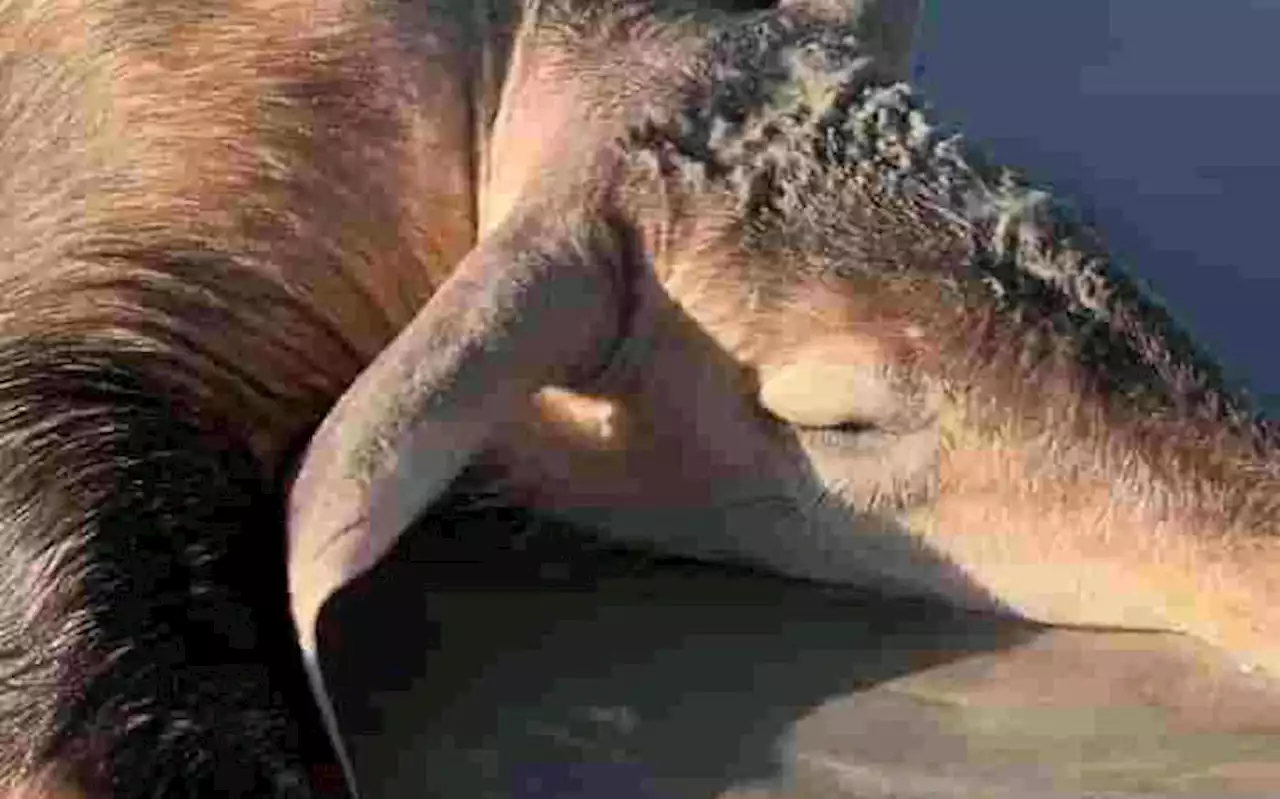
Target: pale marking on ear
x,y
594,418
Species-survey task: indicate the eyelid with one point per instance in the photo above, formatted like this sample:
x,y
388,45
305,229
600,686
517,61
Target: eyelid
x,y
825,395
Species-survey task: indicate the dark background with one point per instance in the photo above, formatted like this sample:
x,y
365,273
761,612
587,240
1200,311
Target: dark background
x,y
1160,118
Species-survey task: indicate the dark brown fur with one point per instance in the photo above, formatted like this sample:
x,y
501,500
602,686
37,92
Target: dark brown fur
x,y
211,216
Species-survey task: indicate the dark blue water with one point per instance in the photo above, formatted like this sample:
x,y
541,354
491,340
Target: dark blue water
x,y
1163,118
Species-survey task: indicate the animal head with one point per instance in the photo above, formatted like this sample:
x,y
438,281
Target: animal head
x,y
999,412
839,316
789,321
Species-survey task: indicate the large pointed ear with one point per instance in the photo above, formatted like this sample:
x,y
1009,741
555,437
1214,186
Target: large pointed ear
x,y
530,306
887,26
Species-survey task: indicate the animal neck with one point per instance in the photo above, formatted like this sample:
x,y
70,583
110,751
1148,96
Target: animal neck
x,y
1082,513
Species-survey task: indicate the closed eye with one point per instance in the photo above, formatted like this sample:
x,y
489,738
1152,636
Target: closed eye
x,y
843,435
846,436
850,427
